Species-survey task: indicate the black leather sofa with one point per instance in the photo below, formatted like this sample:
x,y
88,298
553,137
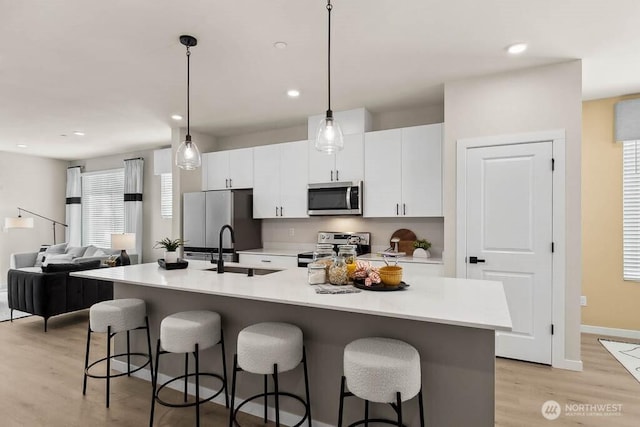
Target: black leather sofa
x,y
54,292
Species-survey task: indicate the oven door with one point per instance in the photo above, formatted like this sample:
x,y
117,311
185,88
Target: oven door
x,y
335,198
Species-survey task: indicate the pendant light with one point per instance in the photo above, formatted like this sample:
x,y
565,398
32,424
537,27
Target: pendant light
x,y
188,156
329,137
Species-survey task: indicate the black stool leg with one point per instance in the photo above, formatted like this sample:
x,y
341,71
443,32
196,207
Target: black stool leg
x,y
341,401
399,404
266,402
12,315
233,390
128,355
196,356
154,383
421,404
306,384
186,372
366,413
86,360
108,362
224,370
146,321
276,391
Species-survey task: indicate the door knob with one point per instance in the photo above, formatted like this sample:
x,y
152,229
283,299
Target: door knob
x,y
475,260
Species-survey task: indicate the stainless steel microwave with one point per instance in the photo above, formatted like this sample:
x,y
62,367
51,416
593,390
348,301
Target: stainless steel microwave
x,y
335,198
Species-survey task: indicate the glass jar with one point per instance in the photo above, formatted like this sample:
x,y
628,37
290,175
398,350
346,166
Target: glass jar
x,y
349,254
317,273
324,255
338,272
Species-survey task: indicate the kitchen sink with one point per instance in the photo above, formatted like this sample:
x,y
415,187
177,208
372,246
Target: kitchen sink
x,y
245,270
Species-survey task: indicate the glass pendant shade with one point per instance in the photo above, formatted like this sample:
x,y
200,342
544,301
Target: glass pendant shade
x,y
188,156
329,137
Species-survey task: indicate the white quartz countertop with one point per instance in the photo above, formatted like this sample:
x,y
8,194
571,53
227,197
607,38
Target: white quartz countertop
x,y
401,259
461,302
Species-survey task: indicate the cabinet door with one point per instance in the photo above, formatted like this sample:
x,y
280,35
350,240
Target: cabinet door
x,y
193,219
269,261
218,170
204,171
321,165
294,169
266,188
241,168
350,161
422,171
382,163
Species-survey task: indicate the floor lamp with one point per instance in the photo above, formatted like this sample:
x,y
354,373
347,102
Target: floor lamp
x,y
20,222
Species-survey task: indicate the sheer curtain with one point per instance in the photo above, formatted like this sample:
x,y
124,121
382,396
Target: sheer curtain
x,y
73,233
133,172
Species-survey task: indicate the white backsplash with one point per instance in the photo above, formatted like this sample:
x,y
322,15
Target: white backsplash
x,y
278,232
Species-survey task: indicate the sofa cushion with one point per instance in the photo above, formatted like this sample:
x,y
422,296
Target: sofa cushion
x,y
56,259
76,251
90,251
72,266
55,249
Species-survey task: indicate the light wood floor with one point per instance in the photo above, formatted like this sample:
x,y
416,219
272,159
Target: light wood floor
x,y
41,385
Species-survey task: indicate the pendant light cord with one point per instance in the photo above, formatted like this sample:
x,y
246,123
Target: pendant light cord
x,y
329,7
188,88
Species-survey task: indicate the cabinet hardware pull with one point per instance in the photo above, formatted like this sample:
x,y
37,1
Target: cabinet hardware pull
x,y
337,175
276,211
265,260
230,183
331,175
404,209
226,183
280,210
397,209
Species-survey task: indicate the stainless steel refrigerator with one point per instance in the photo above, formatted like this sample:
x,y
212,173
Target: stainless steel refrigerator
x,y
204,214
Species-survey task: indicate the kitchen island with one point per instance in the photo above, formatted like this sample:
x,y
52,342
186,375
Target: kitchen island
x,y
452,323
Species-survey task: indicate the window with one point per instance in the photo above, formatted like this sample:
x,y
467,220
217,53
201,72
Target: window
x,y
166,195
631,210
102,206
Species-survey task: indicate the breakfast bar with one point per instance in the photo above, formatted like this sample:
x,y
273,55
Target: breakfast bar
x,y
451,322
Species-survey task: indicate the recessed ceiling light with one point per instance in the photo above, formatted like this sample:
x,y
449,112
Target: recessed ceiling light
x,y
293,93
176,117
78,133
280,45
22,145
517,48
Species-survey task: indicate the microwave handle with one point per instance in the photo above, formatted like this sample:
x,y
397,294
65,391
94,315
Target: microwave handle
x,y
348,197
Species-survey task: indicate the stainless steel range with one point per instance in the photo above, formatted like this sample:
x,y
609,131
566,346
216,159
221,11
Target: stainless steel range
x,y
361,240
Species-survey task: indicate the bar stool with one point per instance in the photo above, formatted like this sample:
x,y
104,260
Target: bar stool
x,y
381,370
270,348
111,317
189,332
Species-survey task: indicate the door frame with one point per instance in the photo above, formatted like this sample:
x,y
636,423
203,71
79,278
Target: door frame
x,y
557,138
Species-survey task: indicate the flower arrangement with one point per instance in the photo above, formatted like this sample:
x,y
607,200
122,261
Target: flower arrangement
x,y
369,274
169,245
422,244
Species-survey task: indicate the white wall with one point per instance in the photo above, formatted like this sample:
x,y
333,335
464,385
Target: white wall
x,y
36,184
535,99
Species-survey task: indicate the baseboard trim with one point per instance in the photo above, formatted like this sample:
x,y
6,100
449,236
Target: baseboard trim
x,y
250,408
569,364
612,332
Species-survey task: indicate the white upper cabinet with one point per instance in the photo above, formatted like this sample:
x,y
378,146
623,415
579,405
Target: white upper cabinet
x,y
223,170
403,172
280,180
345,165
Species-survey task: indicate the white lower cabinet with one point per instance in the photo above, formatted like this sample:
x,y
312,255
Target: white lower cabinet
x,y
280,174
415,269
269,261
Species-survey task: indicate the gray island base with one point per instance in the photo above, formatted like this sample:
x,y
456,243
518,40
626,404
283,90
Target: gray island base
x,y
456,349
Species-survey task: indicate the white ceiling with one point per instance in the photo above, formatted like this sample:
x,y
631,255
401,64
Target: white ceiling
x,y
116,70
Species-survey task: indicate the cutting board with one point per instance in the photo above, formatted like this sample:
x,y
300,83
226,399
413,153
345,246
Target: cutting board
x,y
407,237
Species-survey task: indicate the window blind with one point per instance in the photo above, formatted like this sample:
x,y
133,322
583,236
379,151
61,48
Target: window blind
x,y
166,195
631,210
102,207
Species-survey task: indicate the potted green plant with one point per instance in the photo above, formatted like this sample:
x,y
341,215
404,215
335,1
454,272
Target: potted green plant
x,y
170,247
421,248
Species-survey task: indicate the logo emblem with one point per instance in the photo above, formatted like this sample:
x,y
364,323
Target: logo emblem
x,y
551,410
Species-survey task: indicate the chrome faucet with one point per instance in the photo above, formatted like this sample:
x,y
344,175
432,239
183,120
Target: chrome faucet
x,y
220,264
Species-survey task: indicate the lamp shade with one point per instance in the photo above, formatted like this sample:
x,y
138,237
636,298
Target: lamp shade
x,y
123,241
18,222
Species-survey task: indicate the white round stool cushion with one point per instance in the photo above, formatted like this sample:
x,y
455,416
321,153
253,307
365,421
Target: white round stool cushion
x,y
180,332
377,368
121,314
263,344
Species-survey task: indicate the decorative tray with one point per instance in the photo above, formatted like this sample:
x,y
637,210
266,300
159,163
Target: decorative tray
x,y
380,287
174,265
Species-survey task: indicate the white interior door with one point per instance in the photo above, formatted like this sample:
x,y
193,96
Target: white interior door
x,y
509,233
